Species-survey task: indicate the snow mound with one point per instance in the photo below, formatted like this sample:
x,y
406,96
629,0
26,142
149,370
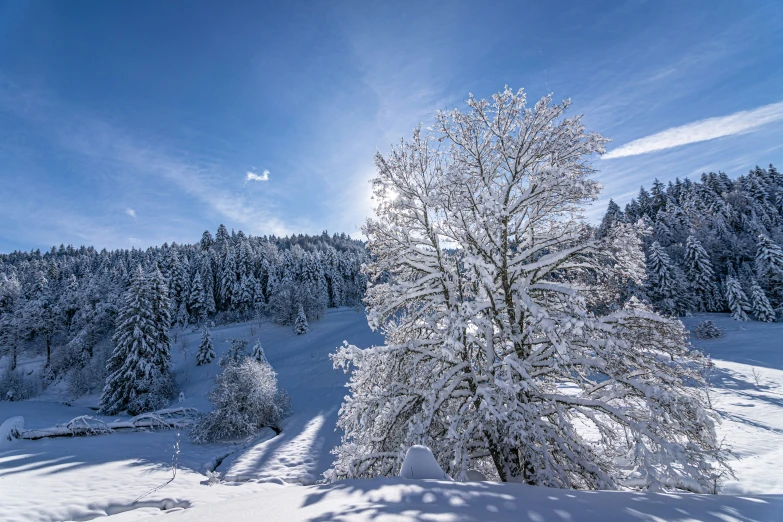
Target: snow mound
x,y
420,464
11,429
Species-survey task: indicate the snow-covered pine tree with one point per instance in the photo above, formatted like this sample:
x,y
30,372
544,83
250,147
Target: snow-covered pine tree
x,y
736,299
236,352
769,262
196,300
701,276
612,216
481,277
258,353
760,304
664,284
206,352
138,370
301,325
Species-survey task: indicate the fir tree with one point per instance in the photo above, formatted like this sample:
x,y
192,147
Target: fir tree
x,y
612,216
138,370
769,262
701,276
196,300
736,299
206,352
258,353
236,352
663,282
760,304
300,325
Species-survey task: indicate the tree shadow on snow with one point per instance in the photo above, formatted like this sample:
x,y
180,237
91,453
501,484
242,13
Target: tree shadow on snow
x,y
486,501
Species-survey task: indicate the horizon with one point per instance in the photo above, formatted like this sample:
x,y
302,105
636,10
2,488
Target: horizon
x,y
128,126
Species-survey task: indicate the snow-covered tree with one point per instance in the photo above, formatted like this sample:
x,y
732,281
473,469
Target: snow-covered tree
x,y
258,353
769,262
760,304
701,276
138,370
206,352
236,352
664,282
301,325
245,399
481,279
736,299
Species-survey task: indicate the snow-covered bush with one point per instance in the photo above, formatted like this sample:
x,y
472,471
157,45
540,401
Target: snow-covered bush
x,y
707,330
245,399
15,385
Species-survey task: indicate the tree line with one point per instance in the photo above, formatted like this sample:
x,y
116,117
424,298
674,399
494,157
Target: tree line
x,y
711,245
64,304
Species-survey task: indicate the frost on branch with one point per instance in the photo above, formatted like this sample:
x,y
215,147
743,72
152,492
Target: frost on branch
x,y
508,327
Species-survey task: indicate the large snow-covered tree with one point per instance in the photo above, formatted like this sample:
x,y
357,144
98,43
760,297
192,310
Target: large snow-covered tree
x,y
484,282
138,370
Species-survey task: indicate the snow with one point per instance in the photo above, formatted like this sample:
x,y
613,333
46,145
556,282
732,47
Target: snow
x,y
81,478
420,463
401,500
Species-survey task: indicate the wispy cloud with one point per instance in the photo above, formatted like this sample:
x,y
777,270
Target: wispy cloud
x,y
130,212
703,130
252,176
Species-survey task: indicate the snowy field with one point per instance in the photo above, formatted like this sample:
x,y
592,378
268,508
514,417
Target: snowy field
x,y
88,477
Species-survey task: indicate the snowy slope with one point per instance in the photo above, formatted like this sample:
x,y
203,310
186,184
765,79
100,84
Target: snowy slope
x,y
83,478
87,477
747,391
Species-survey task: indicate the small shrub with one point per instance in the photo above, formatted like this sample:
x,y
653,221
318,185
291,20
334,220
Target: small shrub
x,y
245,399
16,386
707,330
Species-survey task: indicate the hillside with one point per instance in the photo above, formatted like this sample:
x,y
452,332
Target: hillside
x,y
87,477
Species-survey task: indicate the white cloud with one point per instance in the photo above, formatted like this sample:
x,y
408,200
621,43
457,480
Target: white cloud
x,y
703,130
130,212
252,176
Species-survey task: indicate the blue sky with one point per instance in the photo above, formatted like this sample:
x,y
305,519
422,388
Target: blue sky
x,y
133,123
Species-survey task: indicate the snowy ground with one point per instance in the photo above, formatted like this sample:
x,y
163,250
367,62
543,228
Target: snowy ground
x,y
88,477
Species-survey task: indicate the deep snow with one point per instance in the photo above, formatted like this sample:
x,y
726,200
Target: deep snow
x,y
85,477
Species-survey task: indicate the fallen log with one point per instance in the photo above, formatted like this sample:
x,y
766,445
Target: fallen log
x,y
171,418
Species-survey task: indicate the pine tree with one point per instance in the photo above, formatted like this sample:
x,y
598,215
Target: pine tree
x,y
612,216
258,353
663,282
736,299
482,284
300,325
196,301
769,262
138,370
760,304
236,352
206,241
701,276
206,352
